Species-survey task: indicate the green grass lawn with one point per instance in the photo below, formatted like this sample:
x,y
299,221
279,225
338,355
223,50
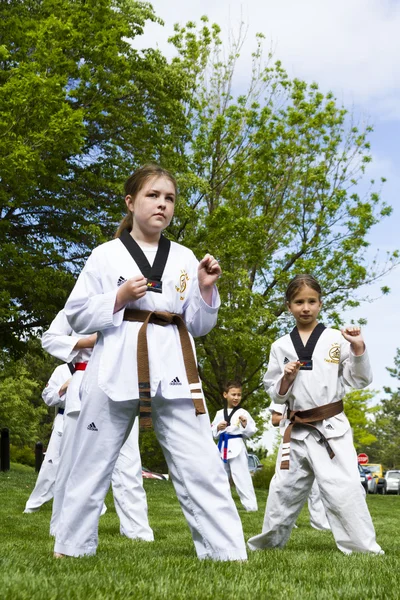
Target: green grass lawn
x,y
309,567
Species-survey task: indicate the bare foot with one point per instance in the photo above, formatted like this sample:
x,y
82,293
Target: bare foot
x,y
58,555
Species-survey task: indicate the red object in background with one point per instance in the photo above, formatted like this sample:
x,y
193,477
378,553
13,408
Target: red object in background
x,y
362,459
147,474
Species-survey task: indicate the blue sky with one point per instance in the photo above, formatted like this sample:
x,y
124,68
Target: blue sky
x,y
349,47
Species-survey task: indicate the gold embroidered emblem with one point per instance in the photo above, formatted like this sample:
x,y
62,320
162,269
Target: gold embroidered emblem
x,y
334,354
184,277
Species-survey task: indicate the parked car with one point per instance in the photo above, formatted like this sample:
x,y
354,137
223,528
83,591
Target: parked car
x,y
377,474
372,486
363,478
254,463
393,482
147,474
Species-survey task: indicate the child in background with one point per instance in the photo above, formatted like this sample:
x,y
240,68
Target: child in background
x,y
308,369
54,395
127,483
231,426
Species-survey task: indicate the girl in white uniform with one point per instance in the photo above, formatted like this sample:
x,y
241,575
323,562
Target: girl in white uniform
x,y
308,369
127,483
54,395
231,426
111,283
318,518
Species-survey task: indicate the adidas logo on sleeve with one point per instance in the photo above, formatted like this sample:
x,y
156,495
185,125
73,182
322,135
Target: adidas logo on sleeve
x,y
92,427
175,381
286,360
121,280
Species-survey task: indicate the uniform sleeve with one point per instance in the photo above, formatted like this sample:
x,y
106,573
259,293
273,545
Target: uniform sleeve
x,y
250,428
217,419
272,379
89,308
58,341
356,370
50,393
277,408
199,316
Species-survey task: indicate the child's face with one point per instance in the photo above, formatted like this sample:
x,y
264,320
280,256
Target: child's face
x,y
305,306
233,397
153,206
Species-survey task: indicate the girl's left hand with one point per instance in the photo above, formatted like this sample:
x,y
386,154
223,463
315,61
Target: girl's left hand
x,y
353,335
208,272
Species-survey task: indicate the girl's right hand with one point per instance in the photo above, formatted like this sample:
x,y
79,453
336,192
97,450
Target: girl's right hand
x,y
290,371
133,289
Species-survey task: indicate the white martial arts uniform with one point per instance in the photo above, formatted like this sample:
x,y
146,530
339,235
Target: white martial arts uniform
x,y
127,482
334,365
110,403
237,464
318,518
44,487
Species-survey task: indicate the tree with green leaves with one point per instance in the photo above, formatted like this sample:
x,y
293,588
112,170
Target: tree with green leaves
x,y
80,109
268,178
358,411
22,409
386,428
271,189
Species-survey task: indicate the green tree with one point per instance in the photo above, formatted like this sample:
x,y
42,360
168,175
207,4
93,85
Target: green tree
x,y
80,108
358,412
271,189
22,409
386,449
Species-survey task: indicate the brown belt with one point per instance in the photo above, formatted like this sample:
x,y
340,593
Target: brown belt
x,y
305,418
163,318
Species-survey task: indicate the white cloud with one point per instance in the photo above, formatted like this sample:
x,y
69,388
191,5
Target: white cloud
x,y
351,47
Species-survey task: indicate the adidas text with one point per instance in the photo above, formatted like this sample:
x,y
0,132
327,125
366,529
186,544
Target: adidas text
x,y
175,381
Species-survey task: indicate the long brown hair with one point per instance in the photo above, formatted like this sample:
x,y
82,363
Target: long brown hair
x,y
300,281
134,184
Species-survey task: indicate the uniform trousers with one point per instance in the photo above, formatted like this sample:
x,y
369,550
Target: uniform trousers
x,y
193,461
316,508
238,468
44,487
127,484
341,492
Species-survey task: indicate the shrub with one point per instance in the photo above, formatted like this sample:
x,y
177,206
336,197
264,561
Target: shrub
x,y
23,455
263,477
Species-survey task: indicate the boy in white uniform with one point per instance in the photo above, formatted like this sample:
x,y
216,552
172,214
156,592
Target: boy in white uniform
x,y
145,296
308,369
54,395
129,496
231,426
318,518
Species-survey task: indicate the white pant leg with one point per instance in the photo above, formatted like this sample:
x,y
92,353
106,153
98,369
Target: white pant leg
x,y
44,487
100,433
239,468
318,518
129,495
199,479
342,494
288,492
64,468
